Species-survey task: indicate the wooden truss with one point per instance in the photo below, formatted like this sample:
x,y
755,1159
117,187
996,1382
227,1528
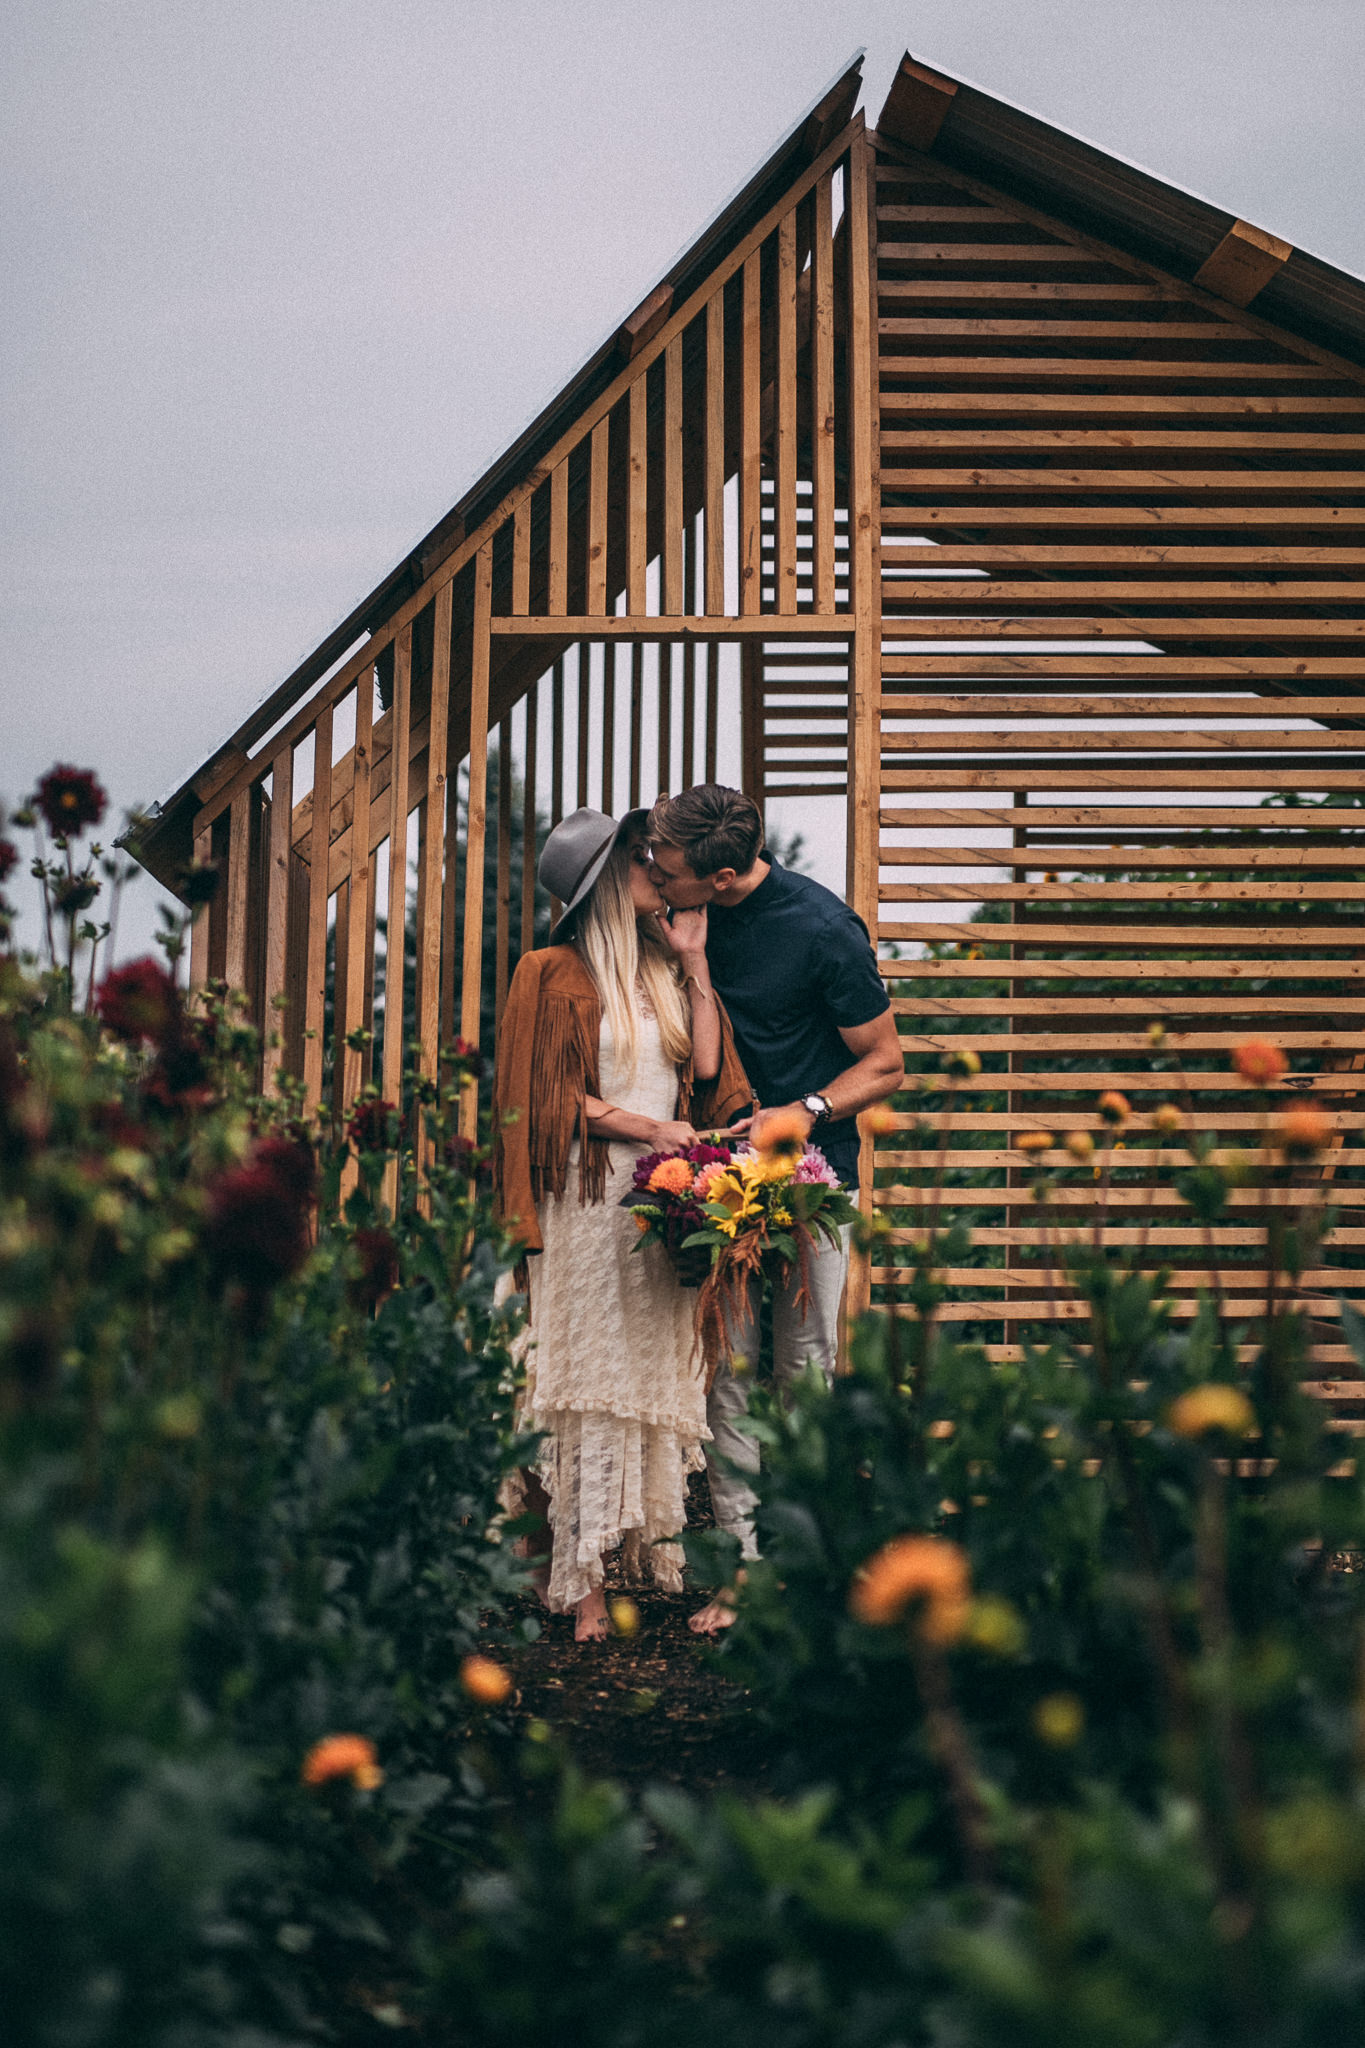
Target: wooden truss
x,y
1049,560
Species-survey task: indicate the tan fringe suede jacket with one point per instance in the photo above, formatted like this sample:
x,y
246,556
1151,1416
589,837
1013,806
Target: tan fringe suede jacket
x,y
547,1065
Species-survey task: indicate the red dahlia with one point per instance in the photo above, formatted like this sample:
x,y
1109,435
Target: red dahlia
x,y
70,799
139,1001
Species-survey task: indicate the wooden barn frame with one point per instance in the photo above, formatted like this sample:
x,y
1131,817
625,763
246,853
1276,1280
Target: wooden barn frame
x,y
963,472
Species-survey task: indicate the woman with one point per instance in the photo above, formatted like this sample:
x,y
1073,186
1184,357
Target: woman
x,y
612,1045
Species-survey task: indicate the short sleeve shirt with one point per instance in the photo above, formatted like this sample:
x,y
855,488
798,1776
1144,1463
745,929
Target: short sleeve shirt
x,y
793,964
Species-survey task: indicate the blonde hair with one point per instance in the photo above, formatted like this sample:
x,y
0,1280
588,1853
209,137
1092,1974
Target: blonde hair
x,y
618,951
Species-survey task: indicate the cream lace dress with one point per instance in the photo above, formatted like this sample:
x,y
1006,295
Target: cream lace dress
x,y
609,1369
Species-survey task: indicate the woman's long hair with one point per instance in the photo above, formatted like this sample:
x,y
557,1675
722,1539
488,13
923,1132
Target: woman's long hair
x,y
617,951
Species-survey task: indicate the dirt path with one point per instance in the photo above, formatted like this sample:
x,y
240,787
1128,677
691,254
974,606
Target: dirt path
x,y
648,1708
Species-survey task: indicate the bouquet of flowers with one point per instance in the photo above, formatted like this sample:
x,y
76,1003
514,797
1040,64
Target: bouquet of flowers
x,y
727,1211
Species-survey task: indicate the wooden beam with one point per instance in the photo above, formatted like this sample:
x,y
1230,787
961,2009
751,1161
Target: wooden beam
x,y
1243,263
476,821
917,105
751,461
433,820
683,626
641,326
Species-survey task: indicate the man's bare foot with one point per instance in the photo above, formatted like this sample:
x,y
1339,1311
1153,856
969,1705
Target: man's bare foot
x,y
718,1613
711,1619
539,1576
590,1624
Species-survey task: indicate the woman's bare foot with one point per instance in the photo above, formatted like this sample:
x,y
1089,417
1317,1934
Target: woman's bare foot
x,y
539,1576
590,1624
718,1613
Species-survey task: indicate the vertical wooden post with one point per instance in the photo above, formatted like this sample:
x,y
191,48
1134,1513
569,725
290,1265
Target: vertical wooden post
x,y
671,579
712,656
822,398
637,501
400,733
609,728
199,929
528,820
637,700
476,820
864,738
687,768
429,924
584,717
521,559
597,518
784,596
502,945
750,462
319,855
238,879
714,504
359,931
558,599
751,719
277,915
665,701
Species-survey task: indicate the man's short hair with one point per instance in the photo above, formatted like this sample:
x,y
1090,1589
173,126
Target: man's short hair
x,y
712,827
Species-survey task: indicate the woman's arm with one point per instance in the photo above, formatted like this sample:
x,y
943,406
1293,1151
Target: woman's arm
x,y
686,935
606,1121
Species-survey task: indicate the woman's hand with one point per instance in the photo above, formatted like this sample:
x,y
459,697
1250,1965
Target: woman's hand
x,y
674,1137
685,933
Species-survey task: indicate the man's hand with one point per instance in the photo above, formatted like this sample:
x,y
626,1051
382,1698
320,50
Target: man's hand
x,y
783,1110
685,933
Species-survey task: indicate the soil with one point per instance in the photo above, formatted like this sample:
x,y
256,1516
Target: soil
x,y
647,1708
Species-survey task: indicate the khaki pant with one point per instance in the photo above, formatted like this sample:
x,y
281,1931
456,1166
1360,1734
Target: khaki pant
x,y
798,1341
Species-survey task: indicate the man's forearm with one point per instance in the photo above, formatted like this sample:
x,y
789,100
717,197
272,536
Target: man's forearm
x,y
870,1079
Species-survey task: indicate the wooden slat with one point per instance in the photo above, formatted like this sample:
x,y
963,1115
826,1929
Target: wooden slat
x,y
199,928
784,467
1133,482
583,723
822,398
1051,973
665,720
714,508
1107,369
637,700
316,981
1082,932
609,730
503,915
558,588
597,518
637,504
932,705
276,915
712,710
433,816
1142,518
238,883
1215,406
359,928
983,440
1047,556
521,560
395,1023
528,820
476,822
1087,742
750,463
771,626
671,576
945,591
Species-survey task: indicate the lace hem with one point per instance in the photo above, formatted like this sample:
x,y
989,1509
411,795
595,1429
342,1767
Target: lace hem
x,y
611,1482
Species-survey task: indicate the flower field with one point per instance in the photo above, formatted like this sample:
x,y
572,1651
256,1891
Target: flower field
x,y
1057,1666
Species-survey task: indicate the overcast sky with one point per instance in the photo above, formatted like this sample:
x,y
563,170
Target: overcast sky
x,y
281,276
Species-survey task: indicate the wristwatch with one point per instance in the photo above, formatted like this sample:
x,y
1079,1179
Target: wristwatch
x,y
818,1108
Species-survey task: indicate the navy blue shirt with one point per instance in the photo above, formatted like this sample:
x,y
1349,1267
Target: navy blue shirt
x,y
792,964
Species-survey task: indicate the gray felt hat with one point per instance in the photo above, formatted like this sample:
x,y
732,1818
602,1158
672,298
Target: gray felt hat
x,y
576,852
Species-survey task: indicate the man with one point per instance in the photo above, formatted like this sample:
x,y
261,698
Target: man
x,y
813,1025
